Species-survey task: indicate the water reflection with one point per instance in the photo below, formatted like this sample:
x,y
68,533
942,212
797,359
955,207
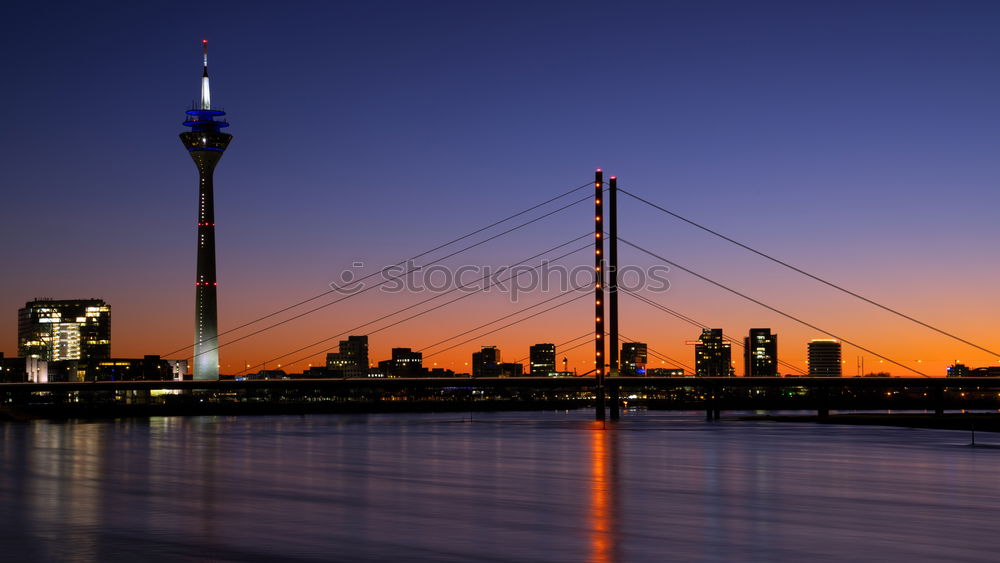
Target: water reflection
x,y
603,494
501,487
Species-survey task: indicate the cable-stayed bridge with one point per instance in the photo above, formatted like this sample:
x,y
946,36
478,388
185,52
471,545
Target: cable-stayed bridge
x,y
603,292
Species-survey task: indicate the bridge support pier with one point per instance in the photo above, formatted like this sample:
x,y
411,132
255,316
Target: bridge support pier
x,y
822,402
614,400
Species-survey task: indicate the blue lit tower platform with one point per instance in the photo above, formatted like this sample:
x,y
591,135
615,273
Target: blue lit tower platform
x,y
205,143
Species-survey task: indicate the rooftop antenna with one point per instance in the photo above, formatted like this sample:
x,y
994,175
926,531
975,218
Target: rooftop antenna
x,y
206,97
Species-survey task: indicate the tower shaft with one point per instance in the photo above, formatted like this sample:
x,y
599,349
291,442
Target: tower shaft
x,y
206,324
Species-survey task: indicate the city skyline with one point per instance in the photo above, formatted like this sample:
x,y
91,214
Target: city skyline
x,y
867,158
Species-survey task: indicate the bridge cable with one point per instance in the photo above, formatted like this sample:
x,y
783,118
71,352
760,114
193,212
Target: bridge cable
x,y
439,306
770,308
585,335
812,276
655,353
698,324
396,278
461,334
422,254
577,298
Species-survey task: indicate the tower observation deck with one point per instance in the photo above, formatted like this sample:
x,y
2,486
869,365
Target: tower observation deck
x,y
205,143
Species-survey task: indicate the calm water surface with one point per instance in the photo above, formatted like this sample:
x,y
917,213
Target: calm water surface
x,y
493,487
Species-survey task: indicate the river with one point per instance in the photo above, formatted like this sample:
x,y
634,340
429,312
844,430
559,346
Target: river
x,y
533,486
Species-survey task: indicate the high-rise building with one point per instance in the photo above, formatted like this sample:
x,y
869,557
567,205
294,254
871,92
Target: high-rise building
x,y
542,358
824,358
352,359
486,362
713,354
633,359
760,353
76,329
205,143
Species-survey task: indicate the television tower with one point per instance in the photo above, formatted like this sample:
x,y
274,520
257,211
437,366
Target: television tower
x,y
205,143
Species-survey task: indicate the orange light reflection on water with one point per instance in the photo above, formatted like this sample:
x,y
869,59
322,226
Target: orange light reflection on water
x,y
602,524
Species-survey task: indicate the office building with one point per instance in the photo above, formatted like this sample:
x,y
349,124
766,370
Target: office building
x,y
404,363
632,359
351,360
760,353
824,358
542,358
206,142
486,362
76,329
713,354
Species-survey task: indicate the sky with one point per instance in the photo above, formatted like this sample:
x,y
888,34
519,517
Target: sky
x,y
855,140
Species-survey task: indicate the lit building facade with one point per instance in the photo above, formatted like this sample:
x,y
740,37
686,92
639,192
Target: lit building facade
x,y
77,329
633,359
23,370
713,354
824,358
352,359
542,358
760,353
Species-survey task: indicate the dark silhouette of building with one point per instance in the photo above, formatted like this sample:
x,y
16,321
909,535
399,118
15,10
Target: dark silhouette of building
x,y
542,358
760,353
824,358
351,360
76,329
486,362
958,370
632,359
713,354
962,370
147,368
510,369
268,374
205,143
665,372
404,363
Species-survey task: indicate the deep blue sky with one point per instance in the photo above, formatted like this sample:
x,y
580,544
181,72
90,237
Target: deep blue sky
x,y
858,139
